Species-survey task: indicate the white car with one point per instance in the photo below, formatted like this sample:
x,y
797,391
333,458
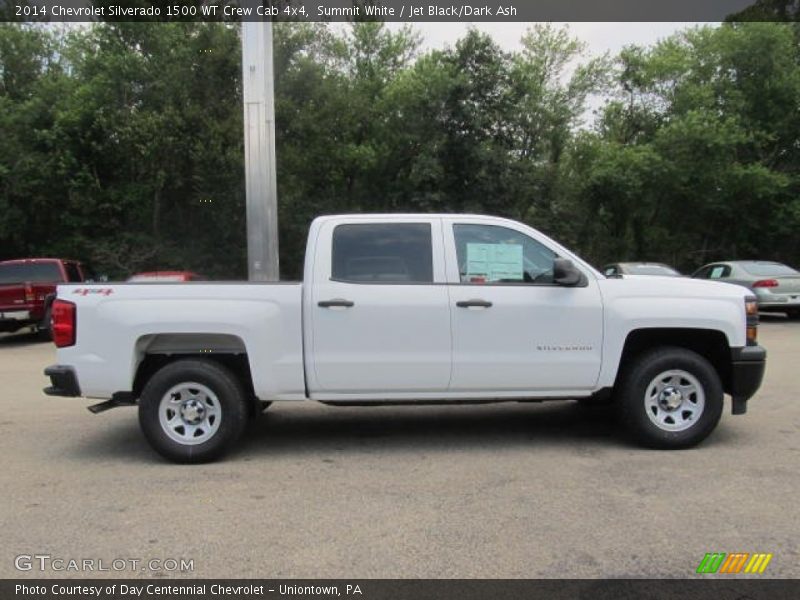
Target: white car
x,y
403,308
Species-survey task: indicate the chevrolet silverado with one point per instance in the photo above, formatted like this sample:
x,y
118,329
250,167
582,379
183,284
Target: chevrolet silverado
x,y
398,309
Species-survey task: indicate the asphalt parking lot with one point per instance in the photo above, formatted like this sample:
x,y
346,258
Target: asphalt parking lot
x,y
512,490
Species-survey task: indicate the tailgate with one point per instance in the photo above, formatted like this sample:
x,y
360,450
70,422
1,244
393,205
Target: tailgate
x,y
12,297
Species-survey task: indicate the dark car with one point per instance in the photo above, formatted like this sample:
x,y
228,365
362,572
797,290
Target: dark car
x,y
27,288
640,268
777,286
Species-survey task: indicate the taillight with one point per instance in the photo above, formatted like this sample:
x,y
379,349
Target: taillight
x,y
29,295
751,320
63,323
766,283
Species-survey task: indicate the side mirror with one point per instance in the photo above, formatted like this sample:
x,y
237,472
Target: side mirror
x,y
567,274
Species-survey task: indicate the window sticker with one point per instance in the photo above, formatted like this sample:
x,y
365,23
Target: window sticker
x,y
494,262
716,272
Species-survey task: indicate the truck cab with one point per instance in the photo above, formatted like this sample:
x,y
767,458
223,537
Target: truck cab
x,y
445,307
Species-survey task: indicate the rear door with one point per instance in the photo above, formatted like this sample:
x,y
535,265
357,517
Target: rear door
x,y
378,314
515,331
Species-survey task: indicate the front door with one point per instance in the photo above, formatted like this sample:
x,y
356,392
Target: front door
x,y
515,330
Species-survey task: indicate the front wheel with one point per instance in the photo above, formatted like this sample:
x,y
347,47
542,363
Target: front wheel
x,y
192,411
670,398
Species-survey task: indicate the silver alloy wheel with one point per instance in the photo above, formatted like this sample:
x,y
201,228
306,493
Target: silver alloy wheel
x,y
674,400
190,413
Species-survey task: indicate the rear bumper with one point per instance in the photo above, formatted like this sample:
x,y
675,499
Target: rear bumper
x,y
747,372
11,320
778,306
64,381
767,301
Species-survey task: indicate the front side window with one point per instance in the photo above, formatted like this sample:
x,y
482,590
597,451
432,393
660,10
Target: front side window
x,y
702,273
383,253
496,254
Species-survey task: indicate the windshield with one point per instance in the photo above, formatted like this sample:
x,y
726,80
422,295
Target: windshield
x,y
651,270
769,270
34,272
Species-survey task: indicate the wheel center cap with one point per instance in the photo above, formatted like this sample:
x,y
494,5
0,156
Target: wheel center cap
x,y
193,411
670,398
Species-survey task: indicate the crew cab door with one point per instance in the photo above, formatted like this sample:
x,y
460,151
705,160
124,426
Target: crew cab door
x,y
514,330
378,315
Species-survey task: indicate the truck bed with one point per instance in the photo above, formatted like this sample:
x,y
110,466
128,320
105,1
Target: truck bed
x,y
118,323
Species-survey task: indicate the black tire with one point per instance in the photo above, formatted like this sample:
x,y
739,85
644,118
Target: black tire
x,y
639,379
793,315
44,330
229,401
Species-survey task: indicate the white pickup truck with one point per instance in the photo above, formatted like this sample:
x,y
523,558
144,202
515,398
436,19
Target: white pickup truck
x,y
400,309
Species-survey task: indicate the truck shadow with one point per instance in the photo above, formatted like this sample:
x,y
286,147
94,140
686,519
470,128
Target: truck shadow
x,y
120,442
16,340
321,430
388,429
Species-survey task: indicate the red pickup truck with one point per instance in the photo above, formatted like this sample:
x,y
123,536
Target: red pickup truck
x,y
27,288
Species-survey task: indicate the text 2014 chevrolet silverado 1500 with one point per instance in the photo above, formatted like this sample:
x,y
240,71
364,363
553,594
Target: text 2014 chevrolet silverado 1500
x,y
409,308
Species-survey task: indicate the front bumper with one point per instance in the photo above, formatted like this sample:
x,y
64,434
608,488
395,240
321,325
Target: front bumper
x,y
747,372
64,381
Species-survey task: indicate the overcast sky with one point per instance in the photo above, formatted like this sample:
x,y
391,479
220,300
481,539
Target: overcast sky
x,y
600,37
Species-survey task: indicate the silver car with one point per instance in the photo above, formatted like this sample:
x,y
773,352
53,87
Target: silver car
x,y
776,286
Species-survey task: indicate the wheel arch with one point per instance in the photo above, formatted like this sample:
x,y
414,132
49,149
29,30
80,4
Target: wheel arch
x,y
711,344
155,351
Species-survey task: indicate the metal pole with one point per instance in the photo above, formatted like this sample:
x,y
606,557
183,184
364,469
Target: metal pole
x,y
259,151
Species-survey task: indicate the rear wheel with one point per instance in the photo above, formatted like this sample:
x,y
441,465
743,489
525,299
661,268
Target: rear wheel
x,y
670,398
793,314
45,330
192,411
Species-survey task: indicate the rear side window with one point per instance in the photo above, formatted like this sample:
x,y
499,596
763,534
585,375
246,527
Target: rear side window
x,y
30,272
383,253
73,273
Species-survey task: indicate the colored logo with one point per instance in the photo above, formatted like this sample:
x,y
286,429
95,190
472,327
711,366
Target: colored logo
x,y
736,562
